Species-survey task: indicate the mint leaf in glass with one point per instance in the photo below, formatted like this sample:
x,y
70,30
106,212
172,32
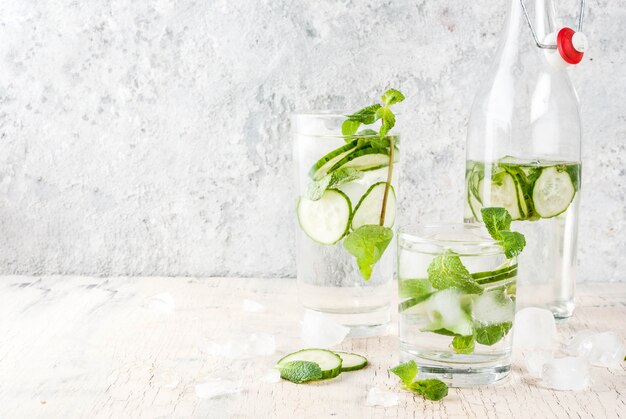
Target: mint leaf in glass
x,y
492,334
332,180
414,288
463,344
447,270
368,243
498,223
392,96
301,371
431,389
366,116
406,371
388,120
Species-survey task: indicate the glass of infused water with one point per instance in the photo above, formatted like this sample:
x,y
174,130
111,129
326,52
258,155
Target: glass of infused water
x,y
457,303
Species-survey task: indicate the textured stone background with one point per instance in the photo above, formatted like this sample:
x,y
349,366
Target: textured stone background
x,y
151,137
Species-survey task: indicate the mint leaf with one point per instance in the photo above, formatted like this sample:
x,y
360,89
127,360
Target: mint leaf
x,y
447,270
440,331
432,389
368,243
492,334
388,120
406,371
496,219
332,180
392,96
301,371
513,243
463,344
414,288
366,115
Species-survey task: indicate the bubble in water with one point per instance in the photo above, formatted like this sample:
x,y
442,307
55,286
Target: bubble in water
x,y
535,329
569,373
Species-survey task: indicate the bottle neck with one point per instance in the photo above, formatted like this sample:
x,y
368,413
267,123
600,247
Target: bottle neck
x,y
516,34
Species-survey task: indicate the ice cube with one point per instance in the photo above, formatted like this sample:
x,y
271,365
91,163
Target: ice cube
x,y
580,344
569,373
271,377
607,350
379,397
251,306
163,302
535,360
535,329
216,388
319,330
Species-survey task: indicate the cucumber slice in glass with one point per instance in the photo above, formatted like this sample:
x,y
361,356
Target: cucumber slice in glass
x,y
323,165
553,192
364,159
351,362
503,193
326,220
368,209
329,362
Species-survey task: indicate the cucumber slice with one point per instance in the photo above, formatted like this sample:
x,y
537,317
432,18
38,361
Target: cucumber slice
x,y
323,165
503,193
351,362
368,209
326,220
447,309
553,192
329,362
364,159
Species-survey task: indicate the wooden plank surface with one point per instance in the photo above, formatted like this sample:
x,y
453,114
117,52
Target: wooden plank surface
x,y
93,347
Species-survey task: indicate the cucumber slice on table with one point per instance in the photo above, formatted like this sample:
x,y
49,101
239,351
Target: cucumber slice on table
x,y
326,220
553,192
329,362
323,165
351,362
368,209
364,159
503,194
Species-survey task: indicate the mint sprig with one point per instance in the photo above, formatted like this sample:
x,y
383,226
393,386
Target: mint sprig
x,y
301,371
368,243
431,389
332,180
498,223
447,270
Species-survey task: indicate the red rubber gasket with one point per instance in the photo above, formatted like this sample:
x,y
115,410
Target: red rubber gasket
x,y
566,47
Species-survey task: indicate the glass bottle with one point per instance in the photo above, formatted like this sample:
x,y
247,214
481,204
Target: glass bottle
x,y
523,152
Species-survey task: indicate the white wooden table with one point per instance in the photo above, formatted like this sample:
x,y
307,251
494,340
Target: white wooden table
x,y
93,347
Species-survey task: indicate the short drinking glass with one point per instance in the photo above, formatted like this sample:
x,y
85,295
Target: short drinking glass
x,y
457,303
346,191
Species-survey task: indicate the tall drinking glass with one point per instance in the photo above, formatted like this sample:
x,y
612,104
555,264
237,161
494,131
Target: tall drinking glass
x,y
342,184
457,303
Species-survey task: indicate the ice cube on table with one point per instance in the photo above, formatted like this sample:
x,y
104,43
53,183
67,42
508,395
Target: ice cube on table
x,y
321,331
216,388
242,347
251,306
379,397
607,350
580,344
163,302
535,360
569,373
535,329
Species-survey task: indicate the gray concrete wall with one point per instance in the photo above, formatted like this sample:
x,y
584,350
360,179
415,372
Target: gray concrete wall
x,y
151,137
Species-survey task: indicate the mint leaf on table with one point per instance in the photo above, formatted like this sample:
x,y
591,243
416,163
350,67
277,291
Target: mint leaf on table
x,y
447,270
368,243
366,116
496,219
513,243
301,371
406,371
332,180
463,344
492,334
432,389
